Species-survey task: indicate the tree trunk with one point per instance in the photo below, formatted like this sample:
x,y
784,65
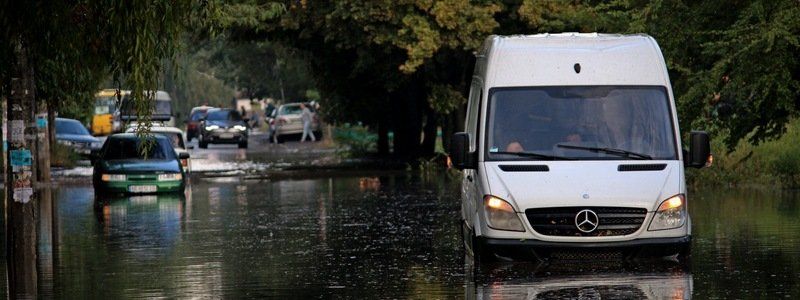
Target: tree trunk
x,y
43,144
21,195
383,138
51,123
428,147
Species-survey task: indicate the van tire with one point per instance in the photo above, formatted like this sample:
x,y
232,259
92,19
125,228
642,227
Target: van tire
x,y
203,145
243,145
470,242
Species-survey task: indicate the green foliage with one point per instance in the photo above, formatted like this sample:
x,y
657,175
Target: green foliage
x,y
357,139
445,99
773,163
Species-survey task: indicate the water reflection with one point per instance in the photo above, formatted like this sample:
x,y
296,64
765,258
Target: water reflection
x,y
377,237
141,226
601,286
580,279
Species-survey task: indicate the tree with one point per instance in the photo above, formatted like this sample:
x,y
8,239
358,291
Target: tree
x,y
54,51
378,62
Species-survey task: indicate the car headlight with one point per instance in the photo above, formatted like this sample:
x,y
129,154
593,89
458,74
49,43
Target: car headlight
x,y
64,142
501,215
670,214
113,177
240,127
170,177
96,145
212,127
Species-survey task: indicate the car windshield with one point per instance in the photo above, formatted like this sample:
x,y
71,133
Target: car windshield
x,y
128,148
70,127
224,115
290,110
587,123
197,115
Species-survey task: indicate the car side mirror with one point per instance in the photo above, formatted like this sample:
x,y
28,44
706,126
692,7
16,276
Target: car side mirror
x,y
699,150
190,147
183,155
460,156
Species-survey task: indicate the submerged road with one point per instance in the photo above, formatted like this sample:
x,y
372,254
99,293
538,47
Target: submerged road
x,y
375,236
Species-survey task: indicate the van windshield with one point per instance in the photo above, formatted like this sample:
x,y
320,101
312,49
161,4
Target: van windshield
x,y
584,123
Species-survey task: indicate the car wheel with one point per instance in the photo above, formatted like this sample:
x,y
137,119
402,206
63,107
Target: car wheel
x,y
243,145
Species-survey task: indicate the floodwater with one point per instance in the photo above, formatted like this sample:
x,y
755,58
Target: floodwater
x,y
379,237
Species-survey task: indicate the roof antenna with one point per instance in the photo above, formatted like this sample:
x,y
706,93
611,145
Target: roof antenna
x,y
577,68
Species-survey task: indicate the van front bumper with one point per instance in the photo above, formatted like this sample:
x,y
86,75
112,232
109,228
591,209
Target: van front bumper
x,y
531,249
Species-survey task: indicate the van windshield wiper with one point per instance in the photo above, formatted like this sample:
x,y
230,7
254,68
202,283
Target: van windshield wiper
x,y
534,154
614,151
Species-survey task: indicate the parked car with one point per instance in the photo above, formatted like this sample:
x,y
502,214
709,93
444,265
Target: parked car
x,y
193,123
574,150
120,167
176,137
223,126
286,120
73,134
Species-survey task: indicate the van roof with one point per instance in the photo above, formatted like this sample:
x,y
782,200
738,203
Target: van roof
x,y
550,60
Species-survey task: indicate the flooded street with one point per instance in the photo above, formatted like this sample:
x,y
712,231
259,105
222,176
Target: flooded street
x,y
378,237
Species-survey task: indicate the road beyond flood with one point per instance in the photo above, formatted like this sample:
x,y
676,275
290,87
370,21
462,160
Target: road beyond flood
x,y
375,235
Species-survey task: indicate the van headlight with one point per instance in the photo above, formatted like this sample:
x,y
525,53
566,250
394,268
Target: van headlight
x,y
670,214
212,127
239,127
501,215
170,177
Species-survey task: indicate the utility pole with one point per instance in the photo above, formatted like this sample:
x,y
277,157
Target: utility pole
x,y
21,174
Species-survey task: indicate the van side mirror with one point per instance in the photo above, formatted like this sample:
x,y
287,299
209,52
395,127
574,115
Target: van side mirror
x,y
699,150
183,155
459,152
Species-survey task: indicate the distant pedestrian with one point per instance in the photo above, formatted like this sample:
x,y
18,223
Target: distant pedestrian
x,y
307,116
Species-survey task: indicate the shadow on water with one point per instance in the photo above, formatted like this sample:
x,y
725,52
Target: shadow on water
x,y
393,236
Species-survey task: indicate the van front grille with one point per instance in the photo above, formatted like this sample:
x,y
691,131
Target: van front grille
x,y
560,221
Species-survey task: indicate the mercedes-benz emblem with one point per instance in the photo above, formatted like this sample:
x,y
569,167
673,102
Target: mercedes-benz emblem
x,y
586,221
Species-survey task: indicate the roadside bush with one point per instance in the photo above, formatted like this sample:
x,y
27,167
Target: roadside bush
x,y
773,163
786,166
356,139
62,156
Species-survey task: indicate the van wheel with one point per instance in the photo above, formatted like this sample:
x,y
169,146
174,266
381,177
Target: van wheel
x,y
243,145
203,145
474,248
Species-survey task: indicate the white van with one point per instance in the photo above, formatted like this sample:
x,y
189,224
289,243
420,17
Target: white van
x,y
572,144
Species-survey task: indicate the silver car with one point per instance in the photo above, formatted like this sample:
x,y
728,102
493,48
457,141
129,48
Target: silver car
x,y
286,120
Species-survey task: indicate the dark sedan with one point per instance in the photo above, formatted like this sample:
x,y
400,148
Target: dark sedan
x,y
73,134
120,166
193,124
223,126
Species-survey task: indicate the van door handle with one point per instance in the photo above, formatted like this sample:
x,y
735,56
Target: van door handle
x,y
469,177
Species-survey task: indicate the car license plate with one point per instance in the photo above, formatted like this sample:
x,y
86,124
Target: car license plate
x,y
142,189
226,136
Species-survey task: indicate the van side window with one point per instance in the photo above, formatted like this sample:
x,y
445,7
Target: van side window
x,y
472,113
